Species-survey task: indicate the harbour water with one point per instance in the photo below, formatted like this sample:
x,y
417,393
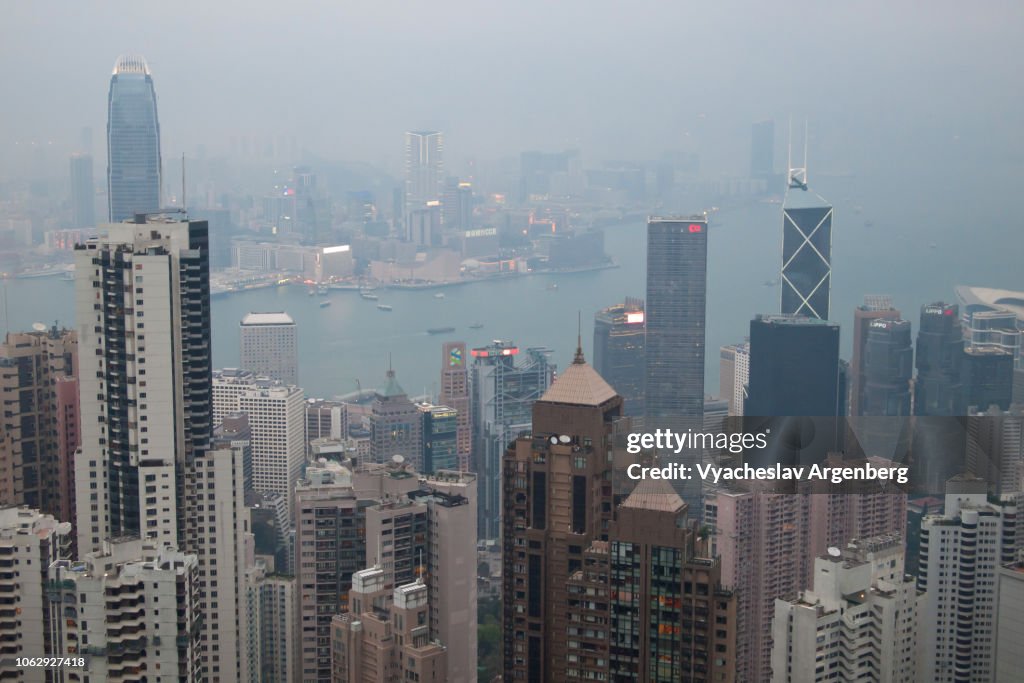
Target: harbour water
x,y
348,343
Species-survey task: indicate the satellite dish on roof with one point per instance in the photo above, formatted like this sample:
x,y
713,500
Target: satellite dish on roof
x,y
398,458
39,327
834,552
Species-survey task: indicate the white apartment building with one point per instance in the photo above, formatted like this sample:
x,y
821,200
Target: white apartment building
x,y
269,346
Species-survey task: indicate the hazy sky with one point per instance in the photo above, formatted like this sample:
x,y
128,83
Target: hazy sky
x,y
619,79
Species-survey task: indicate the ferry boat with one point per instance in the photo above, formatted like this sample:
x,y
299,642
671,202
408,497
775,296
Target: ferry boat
x,y
383,307
368,295
476,326
325,304
440,330
439,295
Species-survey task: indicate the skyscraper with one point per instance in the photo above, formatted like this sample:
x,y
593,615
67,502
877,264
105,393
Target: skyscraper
x,y
455,393
424,168
859,617
888,367
939,358
396,425
619,351
269,346
734,375
873,308
133,141
961,553
83,192
794,367
987,374
503,396
677,256
35,368
806,250
440,437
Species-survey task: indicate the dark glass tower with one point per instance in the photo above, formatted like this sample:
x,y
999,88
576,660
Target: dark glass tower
x,y
133,141
619,352
888,368
987,378
794,367
806,252
940,344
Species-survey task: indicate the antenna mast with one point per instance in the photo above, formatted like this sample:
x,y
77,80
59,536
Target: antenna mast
x,y
184,207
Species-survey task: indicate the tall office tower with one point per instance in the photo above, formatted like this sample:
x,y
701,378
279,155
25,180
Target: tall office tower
x,y
457,205
806,249
83,192
424,168
424,224
270,346
995,448
455,393
939,359
142,309
29,543
385,636
133,141
98,614
440,438
1009,621
961,552
858,621
503,398
677,259
277,420
326,420
34,456
734,375
888,369
993,317
271,628
987,377
762,150
875,307
761,540
794,367
619,351
558,502
396,425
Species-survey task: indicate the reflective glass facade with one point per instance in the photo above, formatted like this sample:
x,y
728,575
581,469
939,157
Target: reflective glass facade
x,y
806,254
133,141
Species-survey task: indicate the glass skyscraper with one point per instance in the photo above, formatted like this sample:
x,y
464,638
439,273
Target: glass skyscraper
x,y
806,252
133,141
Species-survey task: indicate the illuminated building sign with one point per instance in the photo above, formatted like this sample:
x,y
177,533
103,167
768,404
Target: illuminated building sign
x,y
696,227
455,357
635,318
486,353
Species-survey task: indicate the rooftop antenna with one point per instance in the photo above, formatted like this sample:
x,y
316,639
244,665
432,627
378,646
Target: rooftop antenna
x,y
797,178
183,205
579,360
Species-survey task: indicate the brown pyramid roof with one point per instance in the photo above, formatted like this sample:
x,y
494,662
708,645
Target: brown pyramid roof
x,y
579,385
654,494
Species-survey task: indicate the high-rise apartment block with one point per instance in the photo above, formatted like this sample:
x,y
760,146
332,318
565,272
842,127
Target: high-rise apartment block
x,y
277,424
29,543
504,392
126,609
995,448
619,351
385,636
39,423
133,141
1009,621
143,317
455,393
271,636
962,550
859,621
269,346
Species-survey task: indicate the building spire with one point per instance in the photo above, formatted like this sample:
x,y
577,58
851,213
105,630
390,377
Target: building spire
x,y
579,359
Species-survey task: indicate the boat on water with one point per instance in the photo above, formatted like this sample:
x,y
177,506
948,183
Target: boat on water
x,y
42,272
476,326
553,286
440,330
439,295
369,296
383,307
321,290
325,304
